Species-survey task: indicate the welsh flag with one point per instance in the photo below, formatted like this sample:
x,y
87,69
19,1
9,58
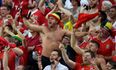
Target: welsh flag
x,y
84,17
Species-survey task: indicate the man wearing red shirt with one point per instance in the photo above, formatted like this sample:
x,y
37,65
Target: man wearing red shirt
x,y
107,46
12,53
91,45
88,60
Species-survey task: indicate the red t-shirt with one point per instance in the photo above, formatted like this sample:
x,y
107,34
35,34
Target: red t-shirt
x,y
15,9
40,18
1,56
1,22
11,60
80,67
24,7
79,57
24,57
106,47
33,41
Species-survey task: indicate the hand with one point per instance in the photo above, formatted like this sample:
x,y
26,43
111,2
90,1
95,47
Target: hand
x,y
26,22
9,17
61,46
6,49
82,9
59,2
56,7
17,15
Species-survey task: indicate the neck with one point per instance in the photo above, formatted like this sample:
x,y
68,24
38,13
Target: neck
x,y
113,19
102,39
85,64
53,28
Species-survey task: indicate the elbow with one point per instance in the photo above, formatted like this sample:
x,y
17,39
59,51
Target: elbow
x,y
21,53
18,51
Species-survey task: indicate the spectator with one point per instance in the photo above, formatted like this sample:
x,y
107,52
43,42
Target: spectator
x,y
88,60
55,64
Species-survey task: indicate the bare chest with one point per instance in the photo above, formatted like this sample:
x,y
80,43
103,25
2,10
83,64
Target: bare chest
x,y
54,36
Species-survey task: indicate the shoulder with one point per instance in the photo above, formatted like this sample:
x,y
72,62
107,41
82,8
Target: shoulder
x,y
78,66
63,66
47,67
100,60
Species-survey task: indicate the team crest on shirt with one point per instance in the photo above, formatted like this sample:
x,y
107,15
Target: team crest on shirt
x,y
107,46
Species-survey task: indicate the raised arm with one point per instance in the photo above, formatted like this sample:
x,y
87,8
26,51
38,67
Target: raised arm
x,y
77,34
65,11
33,26
102,63
69,62
18,51
40,6
60,5
5,59
6,29
53,10
74,44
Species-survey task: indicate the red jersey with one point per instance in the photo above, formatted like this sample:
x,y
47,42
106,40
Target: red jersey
x,y
40,18
1,22
16,7
79,57
1,56
106,47
24,57
11,60
33,41
84,67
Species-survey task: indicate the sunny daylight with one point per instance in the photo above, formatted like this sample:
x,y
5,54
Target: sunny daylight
x,y
57,34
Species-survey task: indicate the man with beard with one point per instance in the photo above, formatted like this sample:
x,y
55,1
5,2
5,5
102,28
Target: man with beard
x,y
55,61
81,51
51,35
88,60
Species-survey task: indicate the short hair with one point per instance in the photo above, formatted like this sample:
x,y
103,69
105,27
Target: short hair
x,y
113,7
78,2
96,43
102,14
59,52
91,53
9,7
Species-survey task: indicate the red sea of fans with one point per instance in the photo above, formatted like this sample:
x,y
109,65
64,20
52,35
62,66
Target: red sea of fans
x,y
58,35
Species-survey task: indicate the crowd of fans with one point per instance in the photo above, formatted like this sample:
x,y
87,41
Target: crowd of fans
x,y
57,35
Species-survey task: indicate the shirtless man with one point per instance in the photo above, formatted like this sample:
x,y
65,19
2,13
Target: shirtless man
x,y
51,35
